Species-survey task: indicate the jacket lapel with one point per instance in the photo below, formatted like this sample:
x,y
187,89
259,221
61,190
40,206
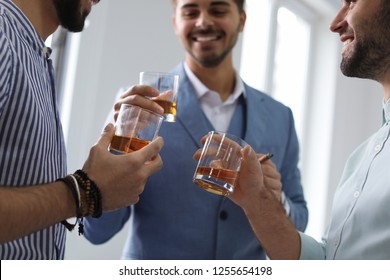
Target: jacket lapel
x,y
256,118
194,121
189,112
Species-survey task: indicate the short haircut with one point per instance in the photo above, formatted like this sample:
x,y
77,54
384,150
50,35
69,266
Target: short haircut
x,y
240,4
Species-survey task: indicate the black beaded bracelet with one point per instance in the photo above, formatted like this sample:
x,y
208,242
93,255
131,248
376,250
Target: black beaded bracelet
x,y
92,192
92,204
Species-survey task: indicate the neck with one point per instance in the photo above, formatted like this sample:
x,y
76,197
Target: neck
x,y
385,82
41,14
386,92
221,78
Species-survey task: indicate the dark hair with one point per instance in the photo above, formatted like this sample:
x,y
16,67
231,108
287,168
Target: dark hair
x,y
240,4
383,15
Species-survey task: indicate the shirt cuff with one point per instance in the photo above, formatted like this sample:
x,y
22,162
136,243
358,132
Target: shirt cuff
x,y
311,249
285,203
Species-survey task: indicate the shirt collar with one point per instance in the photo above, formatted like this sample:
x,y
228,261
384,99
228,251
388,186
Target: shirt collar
x,y
386,110
201,90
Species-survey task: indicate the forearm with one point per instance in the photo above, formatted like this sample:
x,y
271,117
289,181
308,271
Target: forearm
x,y
24,210
273,228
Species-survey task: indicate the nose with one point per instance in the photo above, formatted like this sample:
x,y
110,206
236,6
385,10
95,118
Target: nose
x,y
339,23
204,20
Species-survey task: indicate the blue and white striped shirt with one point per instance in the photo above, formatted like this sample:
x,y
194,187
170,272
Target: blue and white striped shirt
x,y
32,149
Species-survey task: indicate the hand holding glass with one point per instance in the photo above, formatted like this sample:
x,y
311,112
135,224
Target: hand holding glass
x,y
219,163
168,86
135,127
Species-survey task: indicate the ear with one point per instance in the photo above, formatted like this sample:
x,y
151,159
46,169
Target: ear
x,y
174,24
242,20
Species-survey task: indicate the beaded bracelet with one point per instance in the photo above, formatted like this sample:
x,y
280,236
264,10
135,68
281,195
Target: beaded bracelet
x,y
92,194
88,202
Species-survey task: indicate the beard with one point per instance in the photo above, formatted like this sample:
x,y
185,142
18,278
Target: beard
x,y
70,15
370,58
214,60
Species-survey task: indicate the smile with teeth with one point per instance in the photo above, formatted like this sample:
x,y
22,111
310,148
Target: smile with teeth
x,y
346,42
206,38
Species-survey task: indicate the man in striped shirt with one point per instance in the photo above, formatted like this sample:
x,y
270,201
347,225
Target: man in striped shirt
x,y
32,150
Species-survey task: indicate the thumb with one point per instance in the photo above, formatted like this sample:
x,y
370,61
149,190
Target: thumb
x,y
106,136
151,150
250,163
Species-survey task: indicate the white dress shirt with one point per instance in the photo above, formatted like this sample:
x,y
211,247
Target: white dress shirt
x,y
218,113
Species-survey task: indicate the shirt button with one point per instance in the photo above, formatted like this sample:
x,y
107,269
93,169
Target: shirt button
x,y
356,194
336,242
223,215
377,147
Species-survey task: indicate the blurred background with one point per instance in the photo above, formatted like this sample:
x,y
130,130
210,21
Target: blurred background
x,y
285,50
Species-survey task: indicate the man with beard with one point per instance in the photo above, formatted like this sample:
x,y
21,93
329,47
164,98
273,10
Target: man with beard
x,y
359,226
175,219
36,193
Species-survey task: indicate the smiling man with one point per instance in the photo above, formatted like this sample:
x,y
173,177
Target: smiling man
x,y
174,218
359,226
208,42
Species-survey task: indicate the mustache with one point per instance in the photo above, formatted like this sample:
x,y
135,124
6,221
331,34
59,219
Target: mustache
x,y
206,31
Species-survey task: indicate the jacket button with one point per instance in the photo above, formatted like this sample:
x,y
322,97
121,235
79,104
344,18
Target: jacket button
x,y
223,215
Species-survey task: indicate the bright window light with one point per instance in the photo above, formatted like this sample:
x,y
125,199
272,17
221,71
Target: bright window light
x,y
292,50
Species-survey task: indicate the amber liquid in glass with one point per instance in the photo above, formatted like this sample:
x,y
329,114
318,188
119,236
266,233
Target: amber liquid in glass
x,y
170,109
216,180
123,144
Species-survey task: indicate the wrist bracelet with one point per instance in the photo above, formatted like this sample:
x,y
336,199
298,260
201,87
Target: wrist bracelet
x,y
87,198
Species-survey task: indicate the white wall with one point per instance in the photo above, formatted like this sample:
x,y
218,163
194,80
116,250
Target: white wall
x,y
125,37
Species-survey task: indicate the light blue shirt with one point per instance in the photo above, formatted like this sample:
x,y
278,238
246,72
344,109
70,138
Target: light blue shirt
x,y
360,220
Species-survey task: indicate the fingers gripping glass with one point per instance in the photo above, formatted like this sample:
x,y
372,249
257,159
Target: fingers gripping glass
x,y
219,163
168,86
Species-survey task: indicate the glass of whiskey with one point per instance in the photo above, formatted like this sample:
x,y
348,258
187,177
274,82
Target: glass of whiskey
x,y
219,163
168,86
135,127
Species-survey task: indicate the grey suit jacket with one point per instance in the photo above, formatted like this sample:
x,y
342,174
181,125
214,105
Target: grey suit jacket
x,y
174,218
